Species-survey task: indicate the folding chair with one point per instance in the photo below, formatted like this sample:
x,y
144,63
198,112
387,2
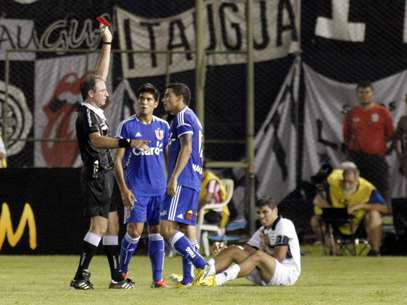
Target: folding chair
x,y
334,241
202,227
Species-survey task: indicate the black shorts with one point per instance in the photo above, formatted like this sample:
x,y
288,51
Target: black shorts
x,y
97,193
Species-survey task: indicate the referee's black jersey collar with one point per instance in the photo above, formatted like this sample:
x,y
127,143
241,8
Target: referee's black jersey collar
x,y
98,111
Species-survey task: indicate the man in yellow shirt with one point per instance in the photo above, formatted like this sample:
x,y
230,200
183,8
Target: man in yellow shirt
x,y
362,200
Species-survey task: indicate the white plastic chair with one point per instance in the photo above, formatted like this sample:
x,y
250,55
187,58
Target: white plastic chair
x,y
203,228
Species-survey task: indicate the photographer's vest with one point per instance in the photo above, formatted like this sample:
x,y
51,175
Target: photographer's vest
x,y
338,199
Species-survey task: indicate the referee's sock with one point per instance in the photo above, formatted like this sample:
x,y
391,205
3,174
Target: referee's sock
x,y
111,247
90,246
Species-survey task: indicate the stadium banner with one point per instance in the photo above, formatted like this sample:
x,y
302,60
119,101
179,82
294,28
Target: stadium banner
x,y
20,104
326,101
275,25
57,96
276,141
41,211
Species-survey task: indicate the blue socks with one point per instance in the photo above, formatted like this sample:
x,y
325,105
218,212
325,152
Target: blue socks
x,y
128,247
188,268
156,253
184,247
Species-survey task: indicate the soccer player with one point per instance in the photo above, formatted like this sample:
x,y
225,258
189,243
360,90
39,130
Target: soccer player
x,y
142,181
97,177
185,161
271,256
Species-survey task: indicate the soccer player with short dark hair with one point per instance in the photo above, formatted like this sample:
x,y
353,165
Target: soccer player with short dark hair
x,y
142,181
97,177
271,256
185,162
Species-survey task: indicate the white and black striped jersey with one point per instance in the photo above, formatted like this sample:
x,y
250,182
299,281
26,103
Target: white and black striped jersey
x,y
282,232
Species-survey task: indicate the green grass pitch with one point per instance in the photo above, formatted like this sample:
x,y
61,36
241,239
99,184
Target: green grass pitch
x,y
31,280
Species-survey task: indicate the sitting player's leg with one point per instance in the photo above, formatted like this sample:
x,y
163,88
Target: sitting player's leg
x,y
111,247
230,255
264,263
156,242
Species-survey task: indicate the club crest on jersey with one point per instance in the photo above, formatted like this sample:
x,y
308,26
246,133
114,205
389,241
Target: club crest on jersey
x,y
375,117
159,134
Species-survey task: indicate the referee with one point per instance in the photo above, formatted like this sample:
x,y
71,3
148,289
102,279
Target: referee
x,y
97,176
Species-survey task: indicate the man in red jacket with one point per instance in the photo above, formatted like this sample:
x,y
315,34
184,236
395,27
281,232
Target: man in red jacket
x,y
366,130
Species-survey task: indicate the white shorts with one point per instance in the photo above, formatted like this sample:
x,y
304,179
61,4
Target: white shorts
x,y
284,275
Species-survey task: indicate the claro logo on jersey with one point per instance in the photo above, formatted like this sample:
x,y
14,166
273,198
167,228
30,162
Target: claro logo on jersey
x,y
151,151
13,237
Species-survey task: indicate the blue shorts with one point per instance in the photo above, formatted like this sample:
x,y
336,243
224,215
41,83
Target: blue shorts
x,y
146,209
182,207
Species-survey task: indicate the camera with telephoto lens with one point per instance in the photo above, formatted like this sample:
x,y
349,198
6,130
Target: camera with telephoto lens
x,y
319,180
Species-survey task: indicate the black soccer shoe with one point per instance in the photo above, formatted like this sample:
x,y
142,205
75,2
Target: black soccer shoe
x,y
83,282
125,284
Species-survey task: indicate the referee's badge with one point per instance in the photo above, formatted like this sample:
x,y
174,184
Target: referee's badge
x,y
375,117
159,134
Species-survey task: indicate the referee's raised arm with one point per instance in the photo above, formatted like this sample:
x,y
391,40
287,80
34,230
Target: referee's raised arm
x,y
102,66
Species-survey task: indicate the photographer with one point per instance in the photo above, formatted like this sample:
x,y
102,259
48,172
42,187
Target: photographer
x,y
345,189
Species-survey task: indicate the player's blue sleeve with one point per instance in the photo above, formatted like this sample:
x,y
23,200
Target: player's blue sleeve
x,y
376,197
122,131
183,126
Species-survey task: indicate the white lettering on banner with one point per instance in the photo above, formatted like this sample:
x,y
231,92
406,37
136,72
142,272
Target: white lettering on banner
x,y
275,34
17,34
64,34
339,27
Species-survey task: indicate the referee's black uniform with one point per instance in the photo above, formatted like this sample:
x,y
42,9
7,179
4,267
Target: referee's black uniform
x,y
97,178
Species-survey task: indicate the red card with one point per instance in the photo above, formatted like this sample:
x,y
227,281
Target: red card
x,y
103,21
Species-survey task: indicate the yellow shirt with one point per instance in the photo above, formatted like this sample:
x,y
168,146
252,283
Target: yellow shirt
x,y
339,200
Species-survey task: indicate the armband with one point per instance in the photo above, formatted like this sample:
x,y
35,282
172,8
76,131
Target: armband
x,y
124,142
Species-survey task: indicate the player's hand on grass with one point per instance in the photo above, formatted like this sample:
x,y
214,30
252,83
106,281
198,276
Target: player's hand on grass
x,y
172,186
140,144
128,198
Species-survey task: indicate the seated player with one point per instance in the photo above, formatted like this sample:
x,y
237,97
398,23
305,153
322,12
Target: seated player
x,y
271,257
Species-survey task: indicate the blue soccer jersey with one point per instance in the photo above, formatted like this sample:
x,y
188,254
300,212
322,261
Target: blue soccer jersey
x,y
145,170
186,122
